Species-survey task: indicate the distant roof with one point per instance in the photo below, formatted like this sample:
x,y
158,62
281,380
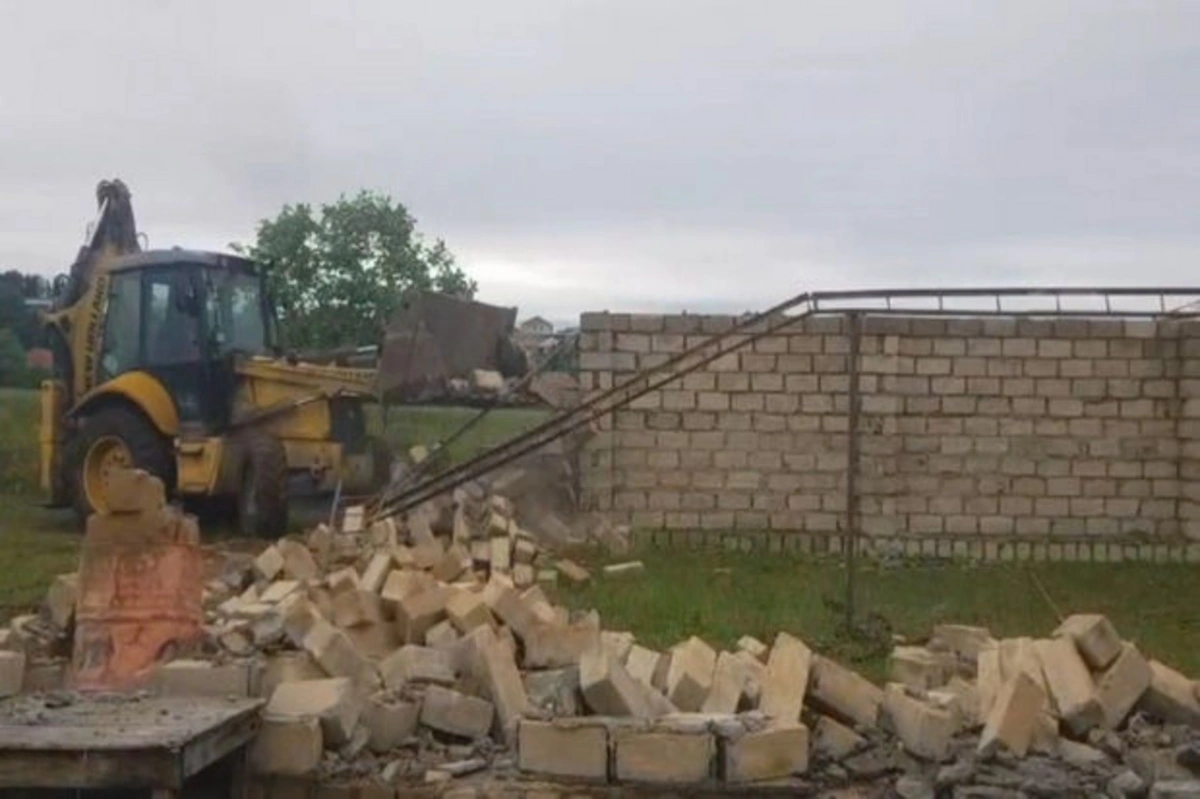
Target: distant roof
x,y
536,321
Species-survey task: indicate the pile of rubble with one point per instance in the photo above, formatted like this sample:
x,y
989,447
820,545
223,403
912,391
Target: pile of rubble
x,y
429,650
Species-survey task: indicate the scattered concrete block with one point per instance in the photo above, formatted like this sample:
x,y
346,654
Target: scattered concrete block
x,y
278,591
357,607
282,667
501,554
754,647
287,746
402,583
662,757
774,753
553,691
1013,718
12,673
334,702
560,749
966,696
412,663
513,610
1070,684
299,616
458,714
1094,636
617,643
1120,687
298,562
917,667
786,680
487,381
690,674
756,672
989,678
374,641
428,554
61,598
523,575
402,557
925,730
344,579
498,670
728,685
642,663
481,553
467,610
202,678
573,571
453,564
442,635
843,693
631,568
524,551
376,573
833,740
335,653
353,518
269,563
607,687
549,646
1171,696
962,640
389,722
416,613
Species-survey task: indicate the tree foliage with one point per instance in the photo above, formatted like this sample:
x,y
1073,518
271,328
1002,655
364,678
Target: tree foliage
x,y
338,275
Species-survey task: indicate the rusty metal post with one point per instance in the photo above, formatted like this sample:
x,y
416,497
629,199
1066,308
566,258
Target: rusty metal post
x,y
850,527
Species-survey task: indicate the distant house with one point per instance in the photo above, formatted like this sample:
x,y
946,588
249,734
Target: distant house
x,y
40,358
536,326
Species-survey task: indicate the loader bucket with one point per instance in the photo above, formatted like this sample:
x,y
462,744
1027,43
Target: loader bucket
x,y
434,338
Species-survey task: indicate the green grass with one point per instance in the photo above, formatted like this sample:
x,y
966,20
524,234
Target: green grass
x,y
18,440
432,425
721,597
35,545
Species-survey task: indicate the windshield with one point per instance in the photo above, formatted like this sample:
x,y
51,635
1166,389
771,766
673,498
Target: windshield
x,y
236,321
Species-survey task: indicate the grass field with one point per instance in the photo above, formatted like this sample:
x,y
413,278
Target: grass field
x,y
716,595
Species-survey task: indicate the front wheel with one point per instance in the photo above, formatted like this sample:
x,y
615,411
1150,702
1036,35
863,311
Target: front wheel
x,y
113,438
262,501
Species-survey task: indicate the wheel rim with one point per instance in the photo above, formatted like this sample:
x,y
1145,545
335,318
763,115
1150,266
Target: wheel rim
x,y
104,457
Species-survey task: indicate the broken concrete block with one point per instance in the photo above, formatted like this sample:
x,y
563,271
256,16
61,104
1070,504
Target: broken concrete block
x,y
1170,696
269,563
633,567
298,562
966,695
60,600
523,575
833,740
335,653
453,564
1069,683
376,573
467,610
428,554
756,672
513,610
278,591
563,748
481,553
497,669
962,640
356,607
451,712
843,693
284,667
549,646
299,616
416,613
1120,687
12,673
524,551
728,685
1094,636
754,647
442,635
374,641
917,667
573,571
642,663
690,674
413,663
334,702
389,722
344,579
925,730
1014,716
607,687
501,554
617,644
401,583
353,518
662,757
786,680
553,691
202,678
773,753
287,746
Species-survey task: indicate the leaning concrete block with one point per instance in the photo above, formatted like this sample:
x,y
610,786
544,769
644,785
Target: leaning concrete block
x,y
1120,687
756,648
286,746
773,753
844,693
467,610
334,702
962,640
641,663
1171,696
416,613
607,687
1094,636
833,740
457,714
728,685
1013,718
61,598
786,681
376,573
498,670
269,563
662,757
513,610
389,722
690,675
1070,684
925,730
550,646
989,678
417,664
917,667
563,749
298,562
336,654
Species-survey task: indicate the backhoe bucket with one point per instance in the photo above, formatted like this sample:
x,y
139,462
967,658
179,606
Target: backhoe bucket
x,y
435,338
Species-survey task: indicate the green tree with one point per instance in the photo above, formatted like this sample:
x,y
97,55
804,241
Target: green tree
x,y
338,275
13,370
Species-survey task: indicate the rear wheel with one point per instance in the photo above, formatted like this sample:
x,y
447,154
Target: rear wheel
x,y
262,502
111,439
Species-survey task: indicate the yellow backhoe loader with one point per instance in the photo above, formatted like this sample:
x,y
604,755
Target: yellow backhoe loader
x,y
168,360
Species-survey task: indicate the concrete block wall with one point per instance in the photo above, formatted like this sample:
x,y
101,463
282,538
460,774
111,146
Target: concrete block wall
x,y
971,429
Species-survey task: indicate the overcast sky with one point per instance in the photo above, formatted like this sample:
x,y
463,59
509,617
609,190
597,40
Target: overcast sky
x,y
629,155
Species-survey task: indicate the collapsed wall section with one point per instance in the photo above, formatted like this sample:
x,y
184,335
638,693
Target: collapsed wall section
x,y
970,428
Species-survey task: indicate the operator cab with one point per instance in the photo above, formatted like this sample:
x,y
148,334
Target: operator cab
x,y
184,317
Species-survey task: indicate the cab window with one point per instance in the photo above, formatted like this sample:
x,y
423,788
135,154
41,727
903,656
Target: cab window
x,y
120,351
172,318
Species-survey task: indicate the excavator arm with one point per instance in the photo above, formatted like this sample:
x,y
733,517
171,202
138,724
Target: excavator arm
x,y
113,233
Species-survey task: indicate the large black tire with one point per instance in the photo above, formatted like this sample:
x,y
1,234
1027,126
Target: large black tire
x,y
145,448
262,501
